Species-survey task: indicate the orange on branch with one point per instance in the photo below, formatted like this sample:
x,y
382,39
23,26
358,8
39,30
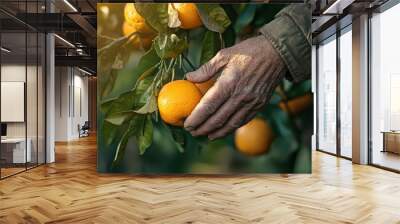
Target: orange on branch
x,y
136,20
297,104
188,15
254,138
137,40
176,101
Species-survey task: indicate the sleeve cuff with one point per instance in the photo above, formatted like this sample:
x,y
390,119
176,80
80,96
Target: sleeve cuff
x,y
292,44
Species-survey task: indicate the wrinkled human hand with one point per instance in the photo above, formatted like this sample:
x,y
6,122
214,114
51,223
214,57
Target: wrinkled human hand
x,y
250,71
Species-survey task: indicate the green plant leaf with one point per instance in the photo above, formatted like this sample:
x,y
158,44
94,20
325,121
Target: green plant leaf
x,y
196,37
179,137
213,17
118,110
118,118
167,133
299,89
145,134
149,107
245,17
123,141
169,45
155,14
211,45
110,132
229,37
124,107
143,92
128,76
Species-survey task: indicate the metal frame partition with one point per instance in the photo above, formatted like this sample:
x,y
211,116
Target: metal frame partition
x,y
39,117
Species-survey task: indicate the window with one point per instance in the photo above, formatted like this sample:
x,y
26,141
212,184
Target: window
x,y
327,95
385,89
346,92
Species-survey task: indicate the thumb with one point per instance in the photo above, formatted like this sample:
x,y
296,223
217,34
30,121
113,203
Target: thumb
x,y
208,70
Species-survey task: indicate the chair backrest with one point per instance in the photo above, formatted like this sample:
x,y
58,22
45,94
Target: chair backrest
x,y
86,124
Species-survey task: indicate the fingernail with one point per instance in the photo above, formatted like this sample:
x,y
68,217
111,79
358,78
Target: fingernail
x,y
189,128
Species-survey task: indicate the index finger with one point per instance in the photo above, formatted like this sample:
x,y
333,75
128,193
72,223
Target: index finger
x,y
207,106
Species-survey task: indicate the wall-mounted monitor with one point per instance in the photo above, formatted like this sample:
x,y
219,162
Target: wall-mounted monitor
x,y
12,101
3,129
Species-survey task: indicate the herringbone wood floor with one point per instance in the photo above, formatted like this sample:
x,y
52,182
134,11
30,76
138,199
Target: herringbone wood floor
x,y
70,191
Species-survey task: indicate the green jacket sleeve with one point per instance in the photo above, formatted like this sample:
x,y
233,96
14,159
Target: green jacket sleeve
x,y
290,34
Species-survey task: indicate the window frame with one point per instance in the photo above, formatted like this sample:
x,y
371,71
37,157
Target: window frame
x,y
339,32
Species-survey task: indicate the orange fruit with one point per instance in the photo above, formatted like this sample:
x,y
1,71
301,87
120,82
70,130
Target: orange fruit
x,y
188,15
298,104
137,40
176,101
254,138
205,86
136,20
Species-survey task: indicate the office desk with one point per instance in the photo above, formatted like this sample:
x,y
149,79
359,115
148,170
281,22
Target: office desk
x,y
13,150
391,141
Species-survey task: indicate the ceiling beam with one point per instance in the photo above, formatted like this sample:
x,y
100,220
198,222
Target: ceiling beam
x,y
78,61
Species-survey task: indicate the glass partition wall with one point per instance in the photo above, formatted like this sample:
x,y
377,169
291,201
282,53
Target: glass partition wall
x,y
326,87
334,94
22,77
345,93
385,89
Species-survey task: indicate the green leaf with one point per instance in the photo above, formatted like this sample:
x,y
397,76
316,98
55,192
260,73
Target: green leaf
x,y
145,135
168,133
112,56
118,118
143,92
124,107
119,109
213,17
179,137
245,17
120,151
196,37
169,45
155,14
299,89
229,37
211,45
128,76
110,132
149,107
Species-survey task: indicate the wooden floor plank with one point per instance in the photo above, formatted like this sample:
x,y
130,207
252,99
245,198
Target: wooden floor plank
x,y
71,191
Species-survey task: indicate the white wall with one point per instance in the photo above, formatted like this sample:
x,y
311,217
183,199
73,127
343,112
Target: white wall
x,y
16,73
33,127
70,83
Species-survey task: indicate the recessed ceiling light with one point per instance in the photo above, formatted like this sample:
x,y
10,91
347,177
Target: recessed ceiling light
x,y
70,5
64,40
5,50
84,71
